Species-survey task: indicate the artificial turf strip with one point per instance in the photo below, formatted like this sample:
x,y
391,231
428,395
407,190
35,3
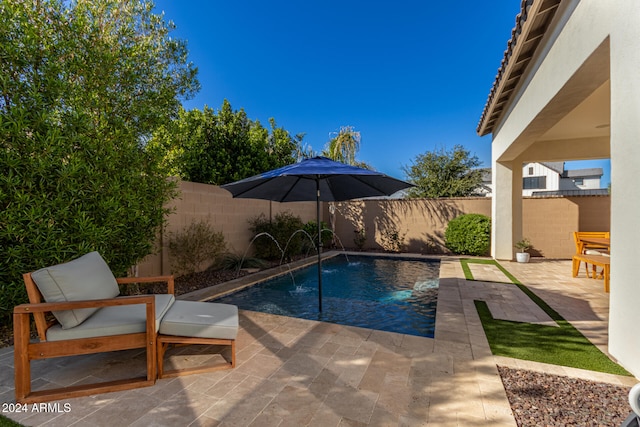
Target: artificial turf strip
x,y
7,422
469,276
563,345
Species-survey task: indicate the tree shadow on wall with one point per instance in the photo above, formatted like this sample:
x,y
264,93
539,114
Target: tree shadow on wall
x,y
412,225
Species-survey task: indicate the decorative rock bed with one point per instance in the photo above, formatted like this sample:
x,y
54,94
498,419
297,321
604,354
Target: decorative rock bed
x,y
539,399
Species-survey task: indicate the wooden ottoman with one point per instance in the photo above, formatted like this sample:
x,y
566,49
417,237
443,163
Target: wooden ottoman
x,y
203,323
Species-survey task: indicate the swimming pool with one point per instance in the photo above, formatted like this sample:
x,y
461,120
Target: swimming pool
x,y
384,293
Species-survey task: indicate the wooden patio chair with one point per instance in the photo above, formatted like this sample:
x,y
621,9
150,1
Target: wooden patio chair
x,y
89,317
585,248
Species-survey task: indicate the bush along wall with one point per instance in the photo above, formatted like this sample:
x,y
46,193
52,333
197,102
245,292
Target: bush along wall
x,y
469,234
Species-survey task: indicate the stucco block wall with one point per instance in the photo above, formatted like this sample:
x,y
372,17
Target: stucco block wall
x,y
226,214
417,223
595,213
421,224
549,224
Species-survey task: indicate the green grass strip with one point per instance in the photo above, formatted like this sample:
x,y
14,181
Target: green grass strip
x,y
563,345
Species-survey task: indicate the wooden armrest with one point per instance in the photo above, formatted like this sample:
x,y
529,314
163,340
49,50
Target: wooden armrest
x,y
71,305
599,260
168,279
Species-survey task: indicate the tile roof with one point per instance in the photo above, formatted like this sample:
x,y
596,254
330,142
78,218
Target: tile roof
x,y
572,193
531,24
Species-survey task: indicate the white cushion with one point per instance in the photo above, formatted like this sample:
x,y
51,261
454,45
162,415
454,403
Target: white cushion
x,y
85,278
116,320
201,320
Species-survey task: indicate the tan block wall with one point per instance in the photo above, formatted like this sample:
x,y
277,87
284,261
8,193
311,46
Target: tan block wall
x,y
595,213
419,223
547,222
550,222
226,214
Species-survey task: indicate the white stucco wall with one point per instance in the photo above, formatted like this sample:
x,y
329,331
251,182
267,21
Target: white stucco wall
x,y
624,318
608,28
537,170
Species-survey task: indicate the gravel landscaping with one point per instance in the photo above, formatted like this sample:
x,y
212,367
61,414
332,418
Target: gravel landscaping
x,y
539,399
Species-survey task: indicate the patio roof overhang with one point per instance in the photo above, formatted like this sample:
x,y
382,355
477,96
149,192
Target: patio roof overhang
x,y
531,25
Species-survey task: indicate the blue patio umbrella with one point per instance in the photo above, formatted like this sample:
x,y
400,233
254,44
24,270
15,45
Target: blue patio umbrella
x,y
319,179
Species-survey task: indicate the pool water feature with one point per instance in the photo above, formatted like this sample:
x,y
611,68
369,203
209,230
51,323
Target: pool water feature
x,y
383,293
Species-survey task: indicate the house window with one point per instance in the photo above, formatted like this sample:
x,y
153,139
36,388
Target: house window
x,y
530,170
578,181
534,183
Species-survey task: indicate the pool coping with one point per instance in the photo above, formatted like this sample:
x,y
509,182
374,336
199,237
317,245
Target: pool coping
x,y
235,285
458,327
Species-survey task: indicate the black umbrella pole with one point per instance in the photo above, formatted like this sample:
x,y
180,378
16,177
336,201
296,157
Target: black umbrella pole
x,y
319,246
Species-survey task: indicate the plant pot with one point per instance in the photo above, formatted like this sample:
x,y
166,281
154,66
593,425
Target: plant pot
x,y
522,256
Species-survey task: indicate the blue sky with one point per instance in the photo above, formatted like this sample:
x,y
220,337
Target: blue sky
x,y
410,76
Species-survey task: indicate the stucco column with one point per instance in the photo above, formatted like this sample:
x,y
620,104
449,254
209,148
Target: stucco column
x,y
506,208
624,317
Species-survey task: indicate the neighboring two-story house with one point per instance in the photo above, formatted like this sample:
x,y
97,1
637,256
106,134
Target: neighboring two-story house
x,y
551,179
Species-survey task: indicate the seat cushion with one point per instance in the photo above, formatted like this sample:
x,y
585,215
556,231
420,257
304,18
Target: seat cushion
x,y
596,252
117,320
201,320
85,278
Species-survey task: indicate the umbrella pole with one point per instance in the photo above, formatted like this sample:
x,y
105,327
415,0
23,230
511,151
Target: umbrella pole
x,y
319,243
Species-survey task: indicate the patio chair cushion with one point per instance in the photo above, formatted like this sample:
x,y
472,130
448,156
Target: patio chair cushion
x,y
201,320
596,252
116,320
85,278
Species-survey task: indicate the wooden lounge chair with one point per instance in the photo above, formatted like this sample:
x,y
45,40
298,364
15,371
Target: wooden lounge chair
x,y
90,318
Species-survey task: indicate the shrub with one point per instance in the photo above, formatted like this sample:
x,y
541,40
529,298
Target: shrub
x,y
231,261
311,228
281,228
195,246
523,245
77,104
391,239
469,234
360,238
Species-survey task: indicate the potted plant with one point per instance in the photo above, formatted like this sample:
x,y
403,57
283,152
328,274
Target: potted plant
x,y
523,246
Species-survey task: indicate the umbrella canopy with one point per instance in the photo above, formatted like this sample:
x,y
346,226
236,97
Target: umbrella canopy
x,y
319,179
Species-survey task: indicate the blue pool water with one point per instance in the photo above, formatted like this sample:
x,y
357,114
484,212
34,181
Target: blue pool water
x,y
384,293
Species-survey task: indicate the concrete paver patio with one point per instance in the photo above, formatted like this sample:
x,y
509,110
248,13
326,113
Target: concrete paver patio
x,y
294,372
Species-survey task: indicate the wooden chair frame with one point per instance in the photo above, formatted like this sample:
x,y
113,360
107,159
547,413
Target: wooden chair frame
x,y
596,260
582,247
25,351
165,341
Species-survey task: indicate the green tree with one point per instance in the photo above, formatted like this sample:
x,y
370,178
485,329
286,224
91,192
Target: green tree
x,y
82,85
344,147
443,173
221,147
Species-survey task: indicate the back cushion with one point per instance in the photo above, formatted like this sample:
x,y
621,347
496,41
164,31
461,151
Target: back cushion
x,y
85,278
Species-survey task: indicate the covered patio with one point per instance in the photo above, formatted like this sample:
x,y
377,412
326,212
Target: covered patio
x,y
300,372
568,89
